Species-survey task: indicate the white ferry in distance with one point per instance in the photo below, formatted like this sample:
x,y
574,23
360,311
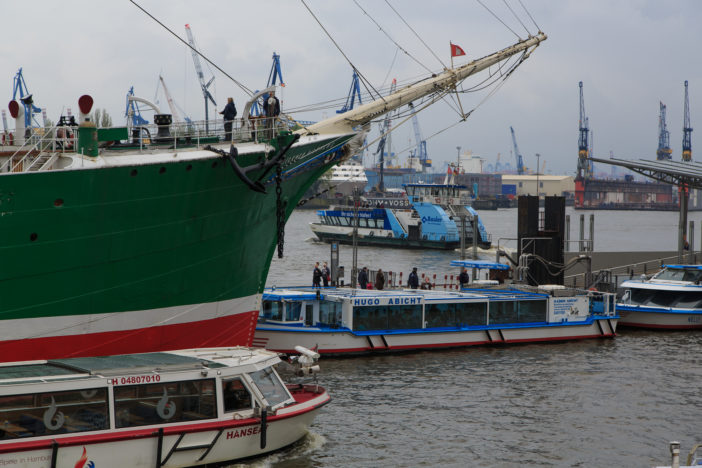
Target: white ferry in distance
x,y
341,321
670,299
168,409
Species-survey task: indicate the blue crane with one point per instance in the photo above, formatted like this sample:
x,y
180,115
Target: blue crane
x,y
273,75
421,151
664,152
353,92
584,165
687,130
201,76
133,106
517,154
19,87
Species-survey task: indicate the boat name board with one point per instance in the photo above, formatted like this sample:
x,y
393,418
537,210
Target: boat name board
x,y
569,305
249,431
387,301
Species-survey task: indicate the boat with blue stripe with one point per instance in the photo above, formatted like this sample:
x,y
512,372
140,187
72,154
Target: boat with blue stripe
x,y
340,321
670,299
434,221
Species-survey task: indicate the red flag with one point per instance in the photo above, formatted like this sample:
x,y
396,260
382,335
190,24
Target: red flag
x,y
456,51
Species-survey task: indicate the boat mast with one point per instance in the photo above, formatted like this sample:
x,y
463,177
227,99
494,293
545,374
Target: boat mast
x,y
442,82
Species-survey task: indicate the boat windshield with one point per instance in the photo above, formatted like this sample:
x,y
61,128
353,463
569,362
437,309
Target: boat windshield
x,y
271,386
679,274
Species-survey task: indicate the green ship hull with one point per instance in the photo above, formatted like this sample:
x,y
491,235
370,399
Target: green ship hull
x,y
145,252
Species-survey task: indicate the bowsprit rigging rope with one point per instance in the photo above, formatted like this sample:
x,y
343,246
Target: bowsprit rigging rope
x,y
529,14
365,82
415,33
498,19
515,15
244,88
391,39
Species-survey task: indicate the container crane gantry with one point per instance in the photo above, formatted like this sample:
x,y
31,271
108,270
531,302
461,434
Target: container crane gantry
x,y
517,154
584,165
420,152
664,152
687,130
201,76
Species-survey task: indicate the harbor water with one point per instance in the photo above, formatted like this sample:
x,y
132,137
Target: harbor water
x,y
591,403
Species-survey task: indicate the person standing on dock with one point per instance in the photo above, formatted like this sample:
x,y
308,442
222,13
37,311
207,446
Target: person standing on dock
x,y
325,275
413,279
316,276
229,114
379,279
463,278
363,278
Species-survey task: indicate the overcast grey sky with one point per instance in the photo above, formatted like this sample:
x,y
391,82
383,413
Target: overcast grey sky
x,y
629,54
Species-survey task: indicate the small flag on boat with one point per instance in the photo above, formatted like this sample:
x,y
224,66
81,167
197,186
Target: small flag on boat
x,y
456,51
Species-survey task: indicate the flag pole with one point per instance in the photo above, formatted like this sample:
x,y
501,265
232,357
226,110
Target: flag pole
x,y
451,47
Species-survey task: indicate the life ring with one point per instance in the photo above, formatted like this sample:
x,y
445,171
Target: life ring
x,y
371,234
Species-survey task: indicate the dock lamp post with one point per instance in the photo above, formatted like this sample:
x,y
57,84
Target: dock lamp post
x,y
537,173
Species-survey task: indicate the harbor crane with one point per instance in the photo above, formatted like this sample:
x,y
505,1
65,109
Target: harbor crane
x,y
273,75
132,111
687,130
201,76
384,138
21,93
517,154
584,165
353,92
175,109
420,152
664,152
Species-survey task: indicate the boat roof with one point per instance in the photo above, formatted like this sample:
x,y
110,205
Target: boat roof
x,y
427,294
480,264
100,366
684,267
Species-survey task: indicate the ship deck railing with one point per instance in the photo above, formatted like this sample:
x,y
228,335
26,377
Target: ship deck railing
x,y
56,140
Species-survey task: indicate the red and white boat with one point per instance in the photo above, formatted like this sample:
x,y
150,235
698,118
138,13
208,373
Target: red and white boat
x,y
168,409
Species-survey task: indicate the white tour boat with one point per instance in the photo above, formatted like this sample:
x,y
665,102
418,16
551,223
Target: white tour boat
x,y
168,409
670,299
355,321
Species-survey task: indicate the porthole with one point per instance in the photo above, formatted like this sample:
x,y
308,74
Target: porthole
x,y
58,202
133,173
33,236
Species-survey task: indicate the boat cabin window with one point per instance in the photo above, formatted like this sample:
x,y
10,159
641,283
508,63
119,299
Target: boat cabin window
x,y
386,317
456,314
292,311
235,395
689,300
330,313
169,402
270,386
502,312
46,413
679,274
654,298
273,310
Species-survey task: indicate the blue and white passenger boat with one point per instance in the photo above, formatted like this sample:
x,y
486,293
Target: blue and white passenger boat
x,y
670,299
433,221
355,321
